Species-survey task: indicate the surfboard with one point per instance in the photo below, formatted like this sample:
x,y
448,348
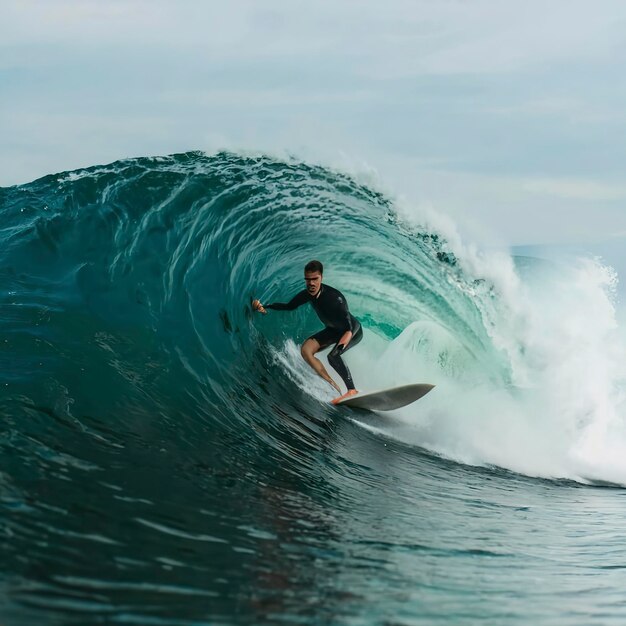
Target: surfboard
x,y
387,399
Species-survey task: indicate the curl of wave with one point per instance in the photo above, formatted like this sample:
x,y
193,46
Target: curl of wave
x,y
125,304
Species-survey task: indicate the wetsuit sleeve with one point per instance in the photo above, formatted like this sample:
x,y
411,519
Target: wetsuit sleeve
x,y
343,313
298,300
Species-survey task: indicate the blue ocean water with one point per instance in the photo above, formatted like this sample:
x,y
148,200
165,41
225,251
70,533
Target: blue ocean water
x,y
167,458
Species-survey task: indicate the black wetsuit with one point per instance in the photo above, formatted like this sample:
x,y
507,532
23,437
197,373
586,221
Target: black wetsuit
x,y
332,309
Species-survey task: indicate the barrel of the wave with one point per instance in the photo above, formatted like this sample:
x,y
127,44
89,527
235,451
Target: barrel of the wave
x,y
344,331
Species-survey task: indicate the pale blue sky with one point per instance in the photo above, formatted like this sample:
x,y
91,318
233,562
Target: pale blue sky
x,y
509,117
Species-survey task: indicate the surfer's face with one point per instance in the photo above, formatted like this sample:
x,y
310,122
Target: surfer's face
x,y
313,282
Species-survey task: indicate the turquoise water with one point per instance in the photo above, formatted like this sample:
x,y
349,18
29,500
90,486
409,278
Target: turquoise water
x,y
167,458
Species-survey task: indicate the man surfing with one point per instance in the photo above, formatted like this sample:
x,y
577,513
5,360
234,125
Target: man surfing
x,y
341,328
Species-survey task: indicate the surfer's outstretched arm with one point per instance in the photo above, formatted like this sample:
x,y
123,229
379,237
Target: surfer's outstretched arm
x,y
299,299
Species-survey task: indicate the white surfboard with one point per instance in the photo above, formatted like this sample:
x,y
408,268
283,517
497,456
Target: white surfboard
x,y
387,399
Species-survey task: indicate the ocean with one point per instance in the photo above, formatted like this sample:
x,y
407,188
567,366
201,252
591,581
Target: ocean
x,y
167,457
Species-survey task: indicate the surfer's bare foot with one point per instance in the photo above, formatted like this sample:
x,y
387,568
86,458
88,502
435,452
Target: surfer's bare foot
x,y
350,392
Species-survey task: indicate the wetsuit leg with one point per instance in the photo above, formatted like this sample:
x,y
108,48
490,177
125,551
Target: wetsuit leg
x,y
336,362
326,337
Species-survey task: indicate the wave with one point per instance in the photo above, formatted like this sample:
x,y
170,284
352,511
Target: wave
x,y
125,309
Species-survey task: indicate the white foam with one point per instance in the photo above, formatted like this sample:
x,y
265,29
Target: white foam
x,y
561,414
547,398
288,356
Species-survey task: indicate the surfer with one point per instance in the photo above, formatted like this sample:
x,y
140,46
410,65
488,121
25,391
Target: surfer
x,y
341,328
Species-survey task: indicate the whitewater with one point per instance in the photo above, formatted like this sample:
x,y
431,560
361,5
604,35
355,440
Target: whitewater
x,y
153,422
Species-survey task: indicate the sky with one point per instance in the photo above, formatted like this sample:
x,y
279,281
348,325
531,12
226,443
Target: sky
x,y
508,117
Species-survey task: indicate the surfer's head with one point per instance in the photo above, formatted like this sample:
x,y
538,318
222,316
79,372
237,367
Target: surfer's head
x,y
313,271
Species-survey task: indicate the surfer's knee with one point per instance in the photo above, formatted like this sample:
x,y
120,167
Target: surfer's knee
x,y
334,355
308,349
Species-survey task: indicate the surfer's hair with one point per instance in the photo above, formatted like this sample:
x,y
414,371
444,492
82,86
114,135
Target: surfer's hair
x,y
313,266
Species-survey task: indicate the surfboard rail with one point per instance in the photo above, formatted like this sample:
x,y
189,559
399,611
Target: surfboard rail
x,y
387,399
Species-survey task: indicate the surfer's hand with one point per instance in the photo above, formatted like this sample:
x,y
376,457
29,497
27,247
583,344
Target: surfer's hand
x,y
257,306
345,340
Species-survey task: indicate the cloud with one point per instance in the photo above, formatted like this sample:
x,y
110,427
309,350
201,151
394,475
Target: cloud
x,y
477,106
576,189
406,38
